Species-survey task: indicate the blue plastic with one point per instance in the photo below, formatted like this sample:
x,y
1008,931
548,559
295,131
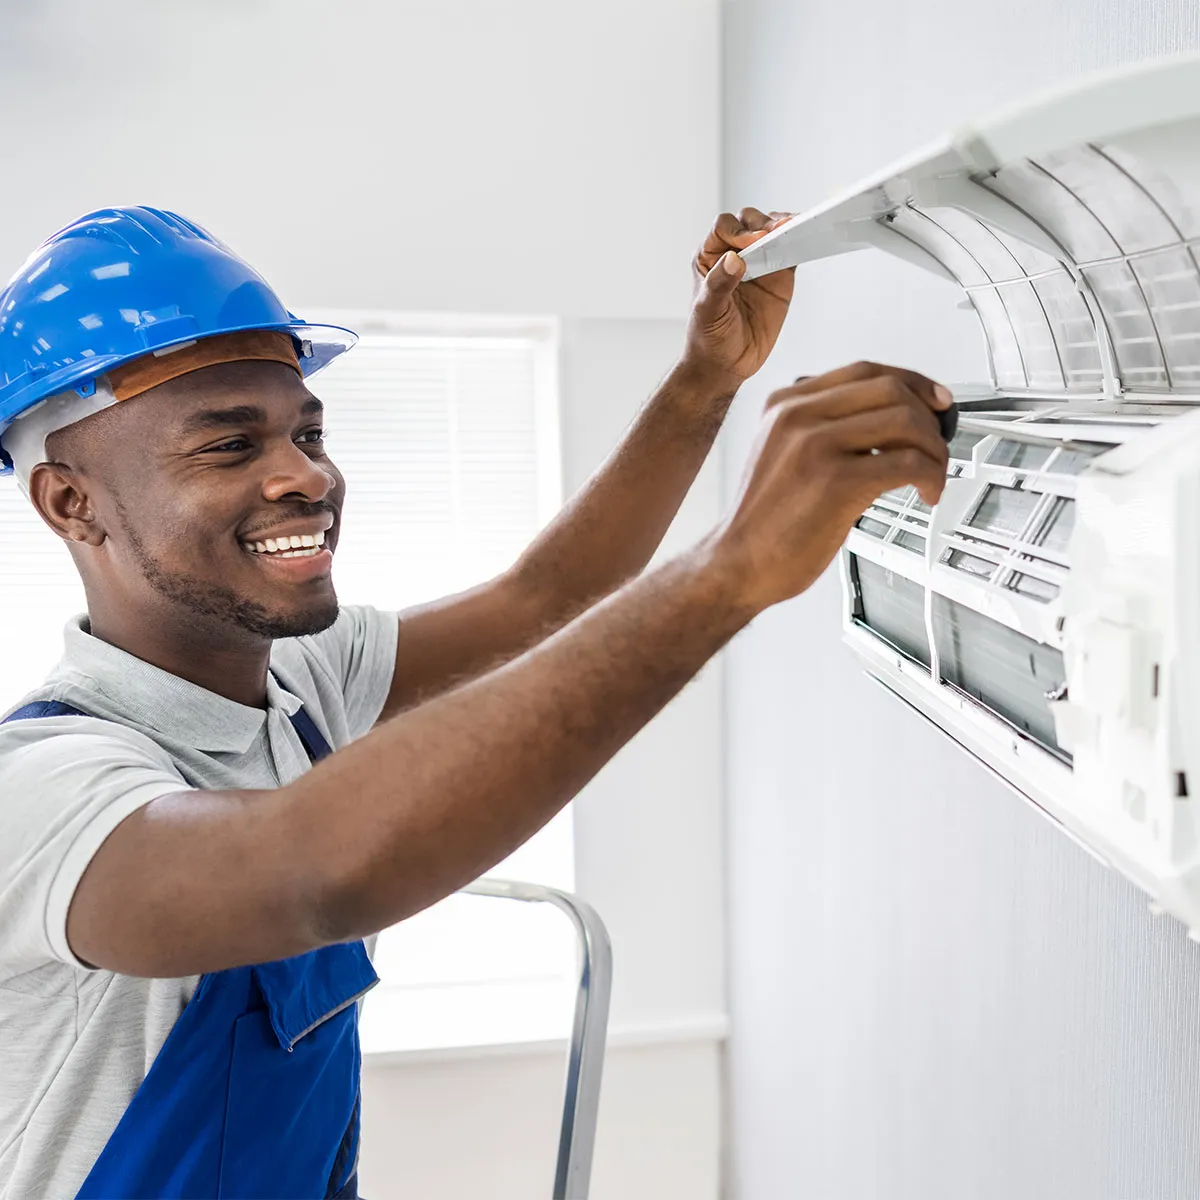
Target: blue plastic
x,y
121,282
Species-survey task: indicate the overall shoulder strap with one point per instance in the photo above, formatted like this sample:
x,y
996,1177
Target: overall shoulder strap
x,y
44,708
312,738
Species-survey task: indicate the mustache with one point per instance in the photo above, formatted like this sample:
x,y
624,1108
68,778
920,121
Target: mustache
x,y
298,512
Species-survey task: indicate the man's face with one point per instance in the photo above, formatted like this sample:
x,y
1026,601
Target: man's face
x,y
203,483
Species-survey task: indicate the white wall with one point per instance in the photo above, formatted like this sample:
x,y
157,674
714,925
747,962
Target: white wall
x,y
488,1127
933,994
532,156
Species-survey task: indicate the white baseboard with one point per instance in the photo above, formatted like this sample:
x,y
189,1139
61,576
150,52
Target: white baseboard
x,y
703,1028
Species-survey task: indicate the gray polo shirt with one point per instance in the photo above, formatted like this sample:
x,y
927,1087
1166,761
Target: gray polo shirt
x,y
76,1043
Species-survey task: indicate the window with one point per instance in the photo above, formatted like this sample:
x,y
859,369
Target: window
x,y
447,432
41,591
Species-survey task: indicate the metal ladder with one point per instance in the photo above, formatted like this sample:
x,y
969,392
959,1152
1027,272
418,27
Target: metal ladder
x,y
585,1060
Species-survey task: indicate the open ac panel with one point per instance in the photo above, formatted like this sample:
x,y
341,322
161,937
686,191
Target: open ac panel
x,y
1046,613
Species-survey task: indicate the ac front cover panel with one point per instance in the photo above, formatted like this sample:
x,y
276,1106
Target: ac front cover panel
x,y
1046,614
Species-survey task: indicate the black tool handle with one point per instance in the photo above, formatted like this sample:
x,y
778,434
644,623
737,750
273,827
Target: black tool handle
x,y
948,421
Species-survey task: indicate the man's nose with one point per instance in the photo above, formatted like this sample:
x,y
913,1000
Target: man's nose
x,y
292,473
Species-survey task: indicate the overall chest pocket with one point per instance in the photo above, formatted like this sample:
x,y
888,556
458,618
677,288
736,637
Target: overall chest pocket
x,y
292,1109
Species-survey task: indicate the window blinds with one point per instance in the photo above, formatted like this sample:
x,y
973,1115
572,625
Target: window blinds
x,y
39,592
438,437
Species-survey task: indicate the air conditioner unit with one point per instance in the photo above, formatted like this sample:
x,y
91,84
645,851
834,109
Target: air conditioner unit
x,y
1046,614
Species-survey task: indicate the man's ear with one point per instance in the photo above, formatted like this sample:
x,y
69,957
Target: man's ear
x,y
63,502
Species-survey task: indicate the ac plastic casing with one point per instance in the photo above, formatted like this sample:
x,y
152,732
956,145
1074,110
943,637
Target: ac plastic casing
x,y
1046,614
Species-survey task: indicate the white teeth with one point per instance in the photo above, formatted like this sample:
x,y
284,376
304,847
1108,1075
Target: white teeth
x,y
295,545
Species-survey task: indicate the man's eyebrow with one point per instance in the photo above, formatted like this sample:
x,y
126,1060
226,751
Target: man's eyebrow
x,y
238,415
223,418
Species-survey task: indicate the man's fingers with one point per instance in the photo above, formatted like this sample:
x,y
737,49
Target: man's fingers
x,y
891,429
721,238
874,474
865,429
727,232
730,232
935,394
846,399
752,218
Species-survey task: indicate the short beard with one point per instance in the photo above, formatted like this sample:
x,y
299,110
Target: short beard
x,y
219,603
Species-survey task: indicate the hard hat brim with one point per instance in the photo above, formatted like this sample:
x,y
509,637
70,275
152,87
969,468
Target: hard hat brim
x,y
319,346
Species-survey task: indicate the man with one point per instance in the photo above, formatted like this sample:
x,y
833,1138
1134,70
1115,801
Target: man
x,y
183,900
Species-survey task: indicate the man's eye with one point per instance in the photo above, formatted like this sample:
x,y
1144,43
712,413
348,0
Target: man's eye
x,y
314,437
233,446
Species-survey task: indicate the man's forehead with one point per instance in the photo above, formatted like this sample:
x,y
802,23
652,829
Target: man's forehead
x,y
272,390
166,387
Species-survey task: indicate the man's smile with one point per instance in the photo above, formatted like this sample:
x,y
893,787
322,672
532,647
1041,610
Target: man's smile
x,y
295,545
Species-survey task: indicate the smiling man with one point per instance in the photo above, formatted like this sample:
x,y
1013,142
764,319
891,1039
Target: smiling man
x,y
184,885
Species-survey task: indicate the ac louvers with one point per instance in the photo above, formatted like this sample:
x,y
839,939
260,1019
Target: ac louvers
x,y
1046,613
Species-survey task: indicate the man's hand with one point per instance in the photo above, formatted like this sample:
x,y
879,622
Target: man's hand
x,y
734,326
829,445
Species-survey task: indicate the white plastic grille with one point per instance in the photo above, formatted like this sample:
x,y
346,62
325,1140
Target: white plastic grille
x,y
1128,242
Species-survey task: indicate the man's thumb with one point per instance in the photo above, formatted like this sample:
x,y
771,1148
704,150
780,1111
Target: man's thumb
x,y
723,277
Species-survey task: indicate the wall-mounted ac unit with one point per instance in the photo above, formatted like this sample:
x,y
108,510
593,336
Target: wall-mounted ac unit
x,y
1046,613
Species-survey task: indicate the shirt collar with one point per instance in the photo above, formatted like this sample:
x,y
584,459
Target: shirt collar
x,y
174,707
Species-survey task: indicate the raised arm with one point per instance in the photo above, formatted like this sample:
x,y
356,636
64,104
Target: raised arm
x,y
199,881
609,530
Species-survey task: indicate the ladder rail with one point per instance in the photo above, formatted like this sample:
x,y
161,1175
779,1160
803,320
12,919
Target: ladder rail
x,y
589,1031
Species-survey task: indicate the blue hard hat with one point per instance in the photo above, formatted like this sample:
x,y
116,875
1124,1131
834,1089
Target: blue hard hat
x,y
119,283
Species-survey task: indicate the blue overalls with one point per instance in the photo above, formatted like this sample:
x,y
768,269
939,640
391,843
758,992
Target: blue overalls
x,y
255,1092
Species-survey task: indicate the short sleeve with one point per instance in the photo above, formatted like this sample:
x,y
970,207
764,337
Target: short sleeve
x,y
65,785
358,651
